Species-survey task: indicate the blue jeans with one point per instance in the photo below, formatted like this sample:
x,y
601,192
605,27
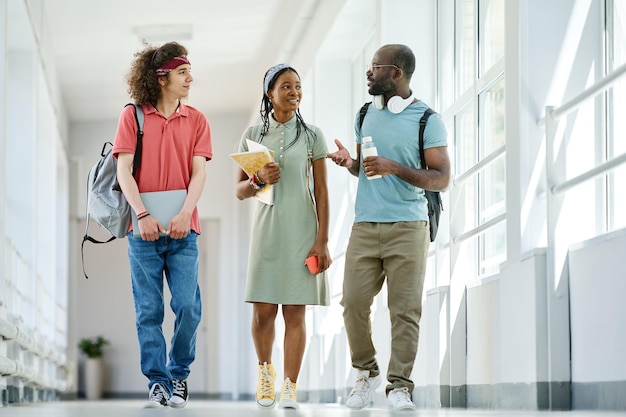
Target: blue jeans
x,y
178,260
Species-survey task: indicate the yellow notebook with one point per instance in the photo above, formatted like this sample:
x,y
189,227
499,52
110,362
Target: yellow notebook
x,y
251,162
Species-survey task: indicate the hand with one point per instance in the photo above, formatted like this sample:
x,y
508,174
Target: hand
x,y
270,173
378,165
342,156
149,228
320,251
179,226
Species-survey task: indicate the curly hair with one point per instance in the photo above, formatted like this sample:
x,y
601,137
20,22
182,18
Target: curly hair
x,y
143,82
267,106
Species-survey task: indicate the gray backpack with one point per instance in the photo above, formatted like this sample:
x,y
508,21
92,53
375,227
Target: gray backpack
x,y
106,203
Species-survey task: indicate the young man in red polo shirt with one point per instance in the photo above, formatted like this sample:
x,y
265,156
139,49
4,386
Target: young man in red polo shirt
x,y
176,147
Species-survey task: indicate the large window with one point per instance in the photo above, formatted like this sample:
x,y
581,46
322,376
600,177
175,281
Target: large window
x,y
476,107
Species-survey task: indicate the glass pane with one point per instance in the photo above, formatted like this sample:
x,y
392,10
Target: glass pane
x,y
443,267
451,130
445,53
493,119
465,267
617,199
467,45
493,186
619,33
493,249
491,33
467,200
466,154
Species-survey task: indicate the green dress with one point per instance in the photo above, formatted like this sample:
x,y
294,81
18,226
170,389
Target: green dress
x,y
284,233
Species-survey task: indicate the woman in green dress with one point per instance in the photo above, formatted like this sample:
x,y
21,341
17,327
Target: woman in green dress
x,y
287,232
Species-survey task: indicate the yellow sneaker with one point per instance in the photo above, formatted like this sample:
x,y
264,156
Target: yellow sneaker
x,y
288,395
265,393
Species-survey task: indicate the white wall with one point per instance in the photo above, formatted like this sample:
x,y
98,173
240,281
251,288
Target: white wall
x,y
598,320
506,343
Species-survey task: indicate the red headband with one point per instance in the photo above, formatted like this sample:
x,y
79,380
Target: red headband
x,y
172,64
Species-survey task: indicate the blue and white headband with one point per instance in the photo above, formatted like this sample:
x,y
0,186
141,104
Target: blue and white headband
x,y
271,73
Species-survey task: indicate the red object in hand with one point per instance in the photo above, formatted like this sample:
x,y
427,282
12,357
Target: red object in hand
x,y
311,263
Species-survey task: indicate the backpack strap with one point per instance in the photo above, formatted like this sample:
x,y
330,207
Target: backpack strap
x,y
362,113
423,121
139,118
92,240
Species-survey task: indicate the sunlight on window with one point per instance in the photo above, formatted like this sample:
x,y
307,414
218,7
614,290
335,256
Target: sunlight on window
x,y
468,196
465,146
491,33
467,46
493,249
465,267
619,33
493,119
493,186
480,192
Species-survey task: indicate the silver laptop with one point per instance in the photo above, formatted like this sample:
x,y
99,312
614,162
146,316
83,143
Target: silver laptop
x,y
162,205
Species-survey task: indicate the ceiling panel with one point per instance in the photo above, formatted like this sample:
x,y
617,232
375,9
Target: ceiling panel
x,y
231,46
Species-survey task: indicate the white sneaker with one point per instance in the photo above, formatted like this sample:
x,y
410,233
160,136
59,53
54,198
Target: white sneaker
x,y
400,399
364,386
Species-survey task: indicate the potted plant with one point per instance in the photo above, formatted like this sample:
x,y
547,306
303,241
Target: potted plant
x,y
92,348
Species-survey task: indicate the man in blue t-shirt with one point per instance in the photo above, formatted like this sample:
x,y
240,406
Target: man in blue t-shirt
x,y
390,236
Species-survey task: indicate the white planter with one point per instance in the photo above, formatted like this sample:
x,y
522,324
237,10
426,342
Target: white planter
x,y
93,378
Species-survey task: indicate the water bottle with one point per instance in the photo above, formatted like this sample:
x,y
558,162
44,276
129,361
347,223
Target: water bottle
x,y
369,149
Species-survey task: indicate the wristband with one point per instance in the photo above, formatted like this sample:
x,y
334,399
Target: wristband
x,y
143,215
254,185
257,179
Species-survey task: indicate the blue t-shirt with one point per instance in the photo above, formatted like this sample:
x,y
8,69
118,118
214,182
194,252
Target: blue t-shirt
x,y
396,136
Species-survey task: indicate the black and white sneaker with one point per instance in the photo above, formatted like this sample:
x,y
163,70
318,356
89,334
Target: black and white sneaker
x,y
180,395
157,398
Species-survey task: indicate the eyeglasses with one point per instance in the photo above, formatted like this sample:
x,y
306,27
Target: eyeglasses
x,y
372,67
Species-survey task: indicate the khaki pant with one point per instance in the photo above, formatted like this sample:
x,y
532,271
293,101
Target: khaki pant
x,y
398,252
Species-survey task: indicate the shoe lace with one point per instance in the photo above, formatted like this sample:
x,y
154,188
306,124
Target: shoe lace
x,y
288,392
402,394
157,394
266,387
179,387
361,386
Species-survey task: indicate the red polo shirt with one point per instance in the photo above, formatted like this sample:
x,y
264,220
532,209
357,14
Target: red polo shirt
x,y
168,148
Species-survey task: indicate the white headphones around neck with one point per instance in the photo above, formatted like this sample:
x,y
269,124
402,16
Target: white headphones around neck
x,y
396,104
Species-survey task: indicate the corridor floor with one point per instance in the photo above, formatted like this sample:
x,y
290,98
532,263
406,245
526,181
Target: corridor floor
x,y
133,408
